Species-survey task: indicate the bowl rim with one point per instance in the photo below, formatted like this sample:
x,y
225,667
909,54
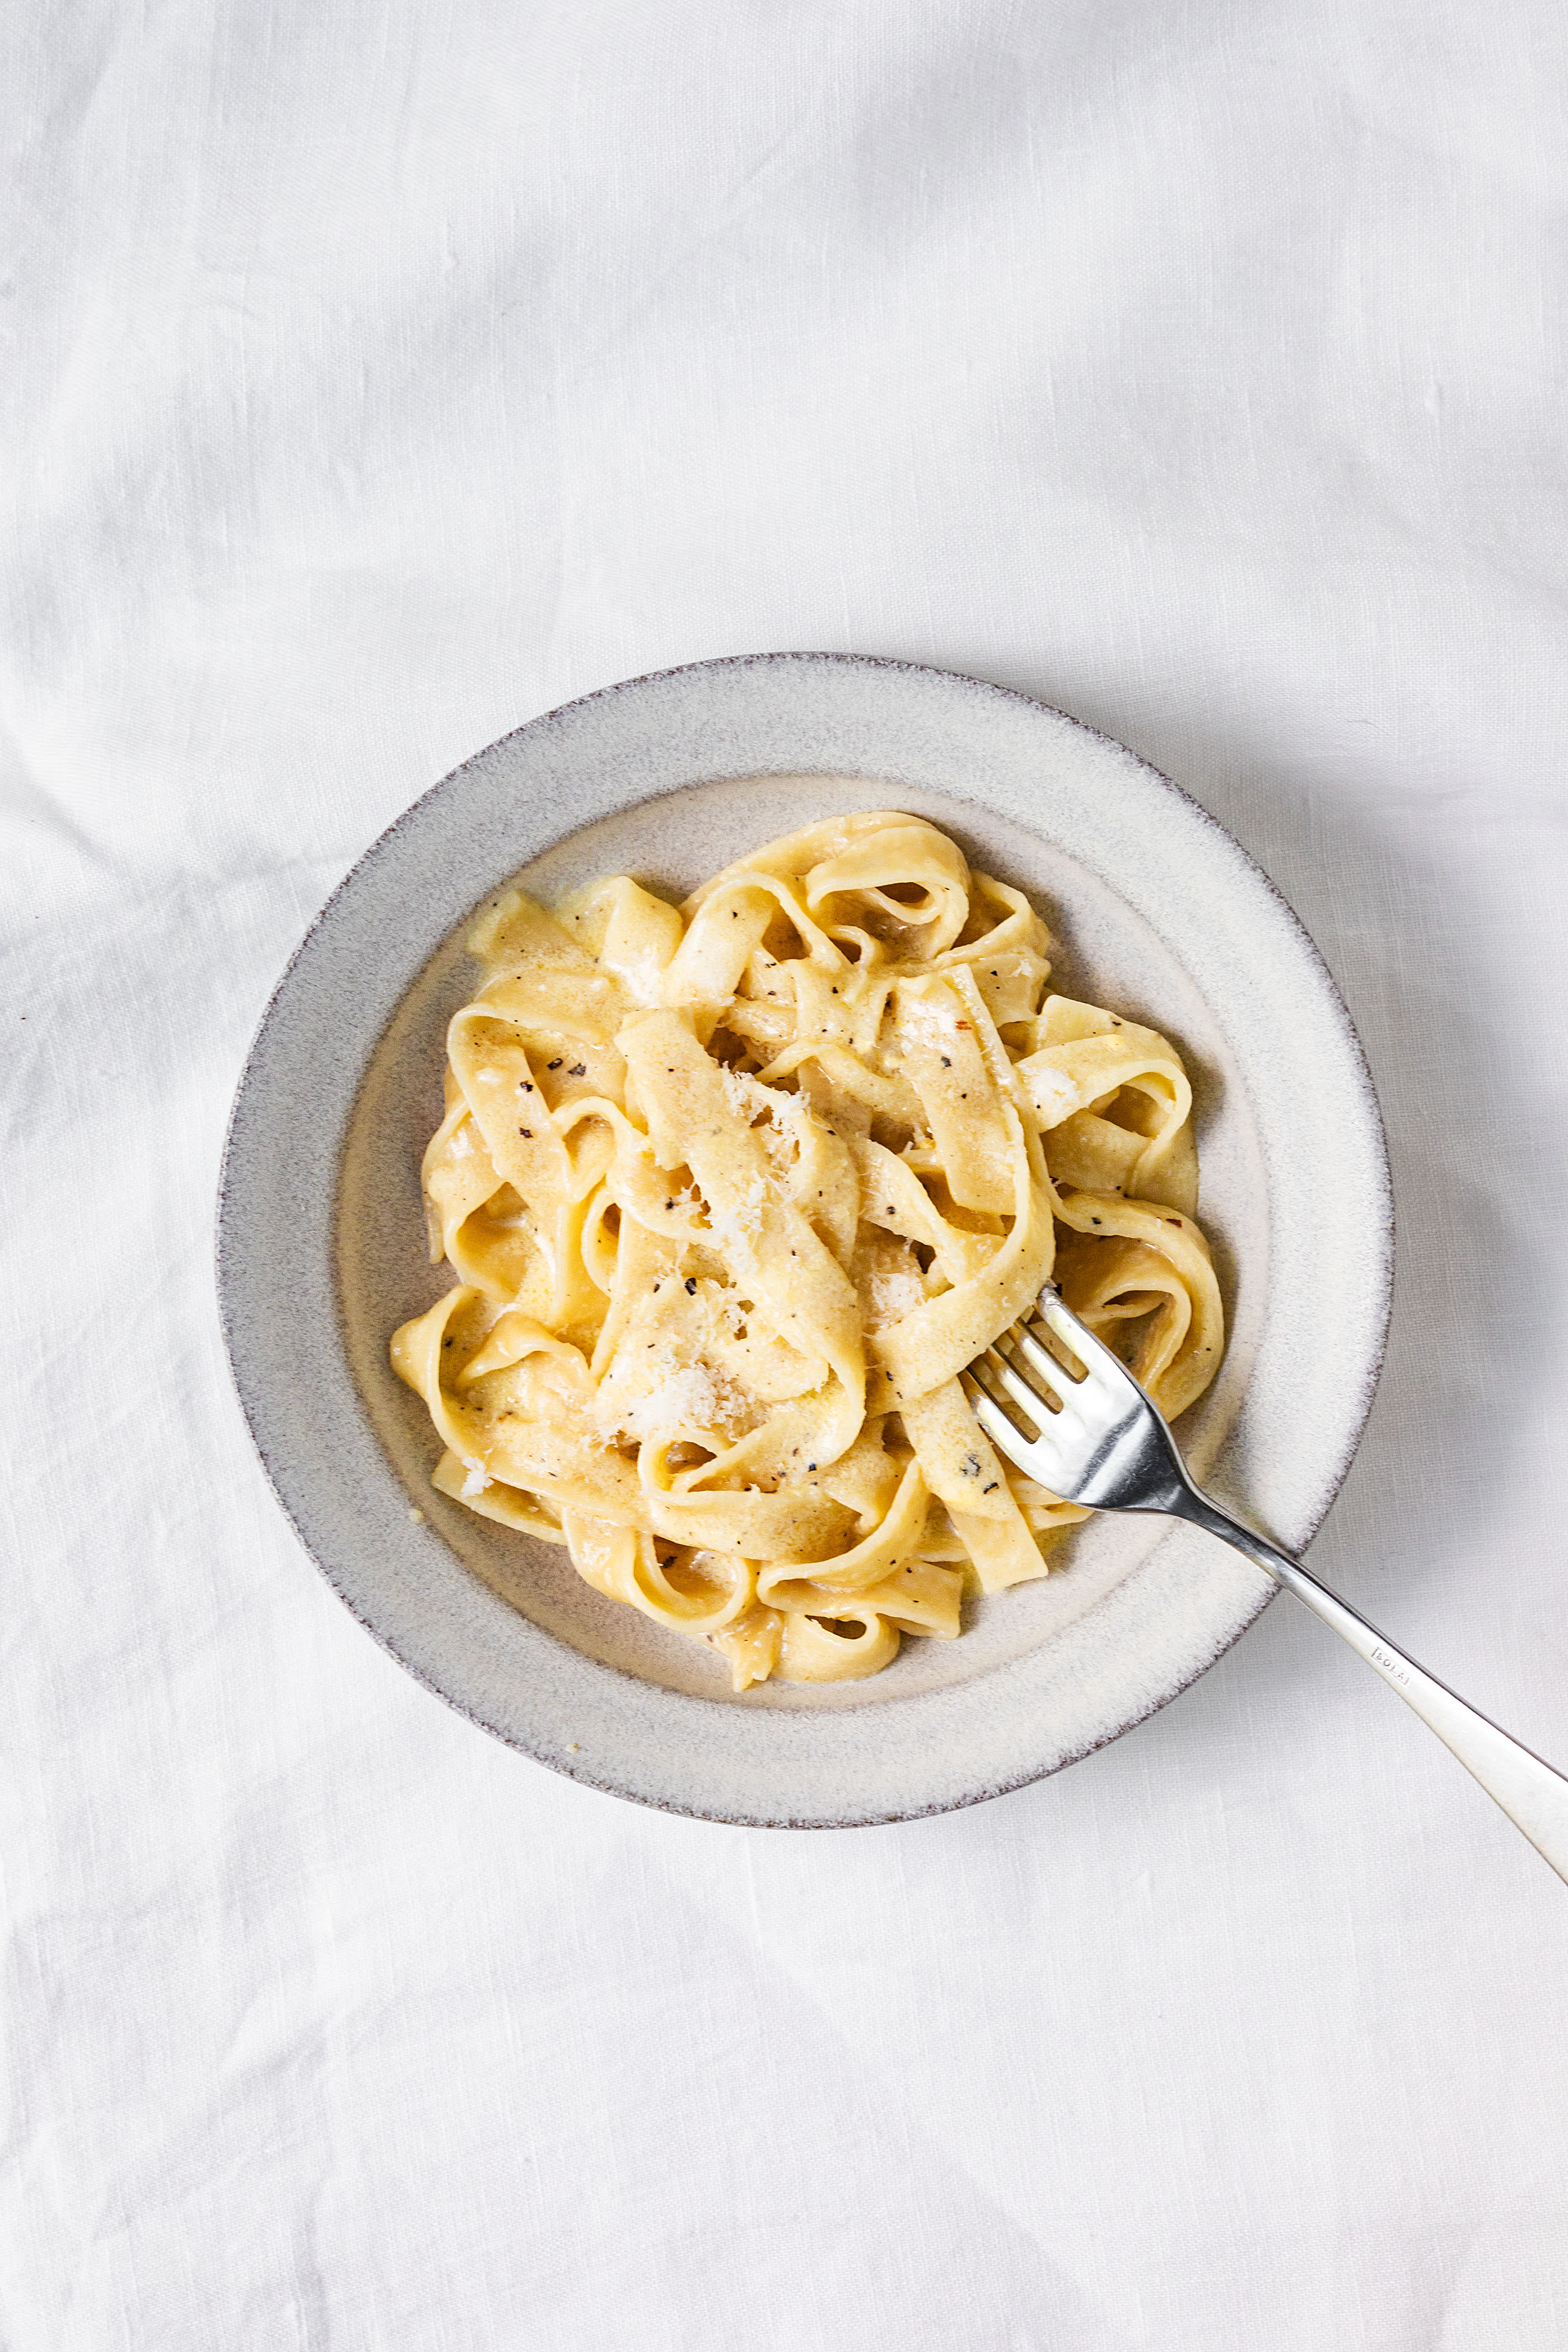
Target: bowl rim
x,y
225,1238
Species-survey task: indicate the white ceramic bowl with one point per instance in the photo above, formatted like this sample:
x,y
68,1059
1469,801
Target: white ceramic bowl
x,y
1157,912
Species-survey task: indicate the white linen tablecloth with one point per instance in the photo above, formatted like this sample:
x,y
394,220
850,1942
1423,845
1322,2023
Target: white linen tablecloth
x,y
380,375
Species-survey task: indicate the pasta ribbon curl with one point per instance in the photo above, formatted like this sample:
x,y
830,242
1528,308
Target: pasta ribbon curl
x,y
735,1193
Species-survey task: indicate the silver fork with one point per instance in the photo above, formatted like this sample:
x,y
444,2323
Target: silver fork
x,y
1099,1440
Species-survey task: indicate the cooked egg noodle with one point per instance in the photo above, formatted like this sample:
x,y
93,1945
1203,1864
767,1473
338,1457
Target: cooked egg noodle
x,y
735,1192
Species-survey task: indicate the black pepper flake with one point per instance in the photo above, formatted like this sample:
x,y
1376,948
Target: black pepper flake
x,y
555,1065
578,1070
670,1204
1094,1221
527,1132
811,1465
691,1286
991,1489
945,1062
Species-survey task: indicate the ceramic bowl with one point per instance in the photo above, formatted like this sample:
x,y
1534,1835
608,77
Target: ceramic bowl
x,y
1157,912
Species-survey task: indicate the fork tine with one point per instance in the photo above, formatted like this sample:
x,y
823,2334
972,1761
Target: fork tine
x,y
1040,1368
1002,1430
1044,1367
1091,1352
983,1380
1040,1409
980,1371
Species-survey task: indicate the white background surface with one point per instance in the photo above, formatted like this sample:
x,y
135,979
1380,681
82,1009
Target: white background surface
x,y
380,376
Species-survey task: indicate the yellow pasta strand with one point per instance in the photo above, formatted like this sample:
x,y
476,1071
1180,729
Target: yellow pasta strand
x,y
735,1191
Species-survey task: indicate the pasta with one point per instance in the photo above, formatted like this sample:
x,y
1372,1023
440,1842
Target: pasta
x,y
735,1191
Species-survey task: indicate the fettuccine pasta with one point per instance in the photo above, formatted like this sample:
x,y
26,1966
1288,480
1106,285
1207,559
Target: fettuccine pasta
x,y
735,1191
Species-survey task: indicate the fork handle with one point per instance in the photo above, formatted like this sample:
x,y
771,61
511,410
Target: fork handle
x,y
1533,1796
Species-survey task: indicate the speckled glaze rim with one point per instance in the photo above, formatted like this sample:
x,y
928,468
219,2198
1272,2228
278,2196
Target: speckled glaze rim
x,y
243,1291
